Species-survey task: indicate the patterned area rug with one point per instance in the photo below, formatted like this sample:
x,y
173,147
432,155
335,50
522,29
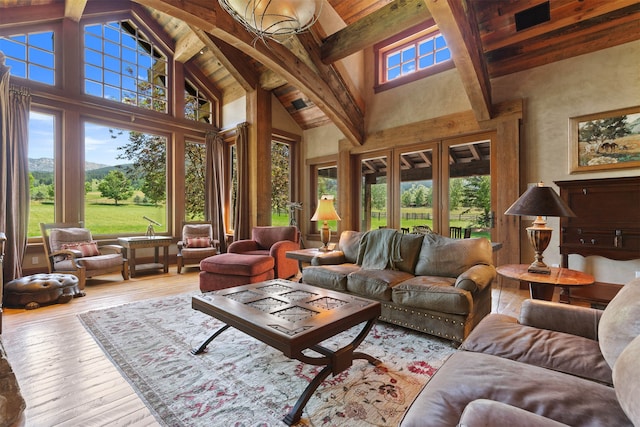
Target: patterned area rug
x,y
240,381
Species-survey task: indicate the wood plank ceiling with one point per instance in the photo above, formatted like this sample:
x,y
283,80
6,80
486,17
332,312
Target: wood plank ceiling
x,y
485,38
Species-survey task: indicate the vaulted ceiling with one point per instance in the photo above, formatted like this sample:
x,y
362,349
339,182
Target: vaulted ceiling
x,y
486,40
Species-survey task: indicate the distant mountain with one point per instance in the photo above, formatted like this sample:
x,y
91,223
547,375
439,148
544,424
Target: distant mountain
x,y
46,165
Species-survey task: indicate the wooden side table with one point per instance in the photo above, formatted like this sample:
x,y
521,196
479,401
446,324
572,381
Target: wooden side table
x,y
304,256
139,242
541,286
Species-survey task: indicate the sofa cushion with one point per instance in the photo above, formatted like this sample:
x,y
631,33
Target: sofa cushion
x,y
329,276
467,376
198,242
443,256
626,380
86,248
503,336
433,293
100,262
375,284
410,245
349,244
620,322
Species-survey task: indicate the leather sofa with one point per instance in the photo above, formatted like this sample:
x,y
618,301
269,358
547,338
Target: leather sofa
x,y
427,282
555,365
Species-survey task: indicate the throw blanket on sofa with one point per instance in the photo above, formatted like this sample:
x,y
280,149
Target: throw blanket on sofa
x,y
379,249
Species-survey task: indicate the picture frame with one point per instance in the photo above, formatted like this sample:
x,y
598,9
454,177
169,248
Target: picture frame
x,y
605,141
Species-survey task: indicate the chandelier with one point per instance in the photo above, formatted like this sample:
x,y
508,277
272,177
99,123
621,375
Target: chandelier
x,y
274,19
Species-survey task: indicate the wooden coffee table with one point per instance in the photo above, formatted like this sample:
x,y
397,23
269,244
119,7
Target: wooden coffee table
x,y
293,317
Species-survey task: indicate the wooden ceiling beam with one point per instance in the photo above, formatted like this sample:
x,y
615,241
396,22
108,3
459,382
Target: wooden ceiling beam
x,y
187,47
329,97
236,63
73,9
456,20
379,25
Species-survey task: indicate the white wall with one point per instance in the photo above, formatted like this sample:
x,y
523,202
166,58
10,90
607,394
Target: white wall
x,y
605,80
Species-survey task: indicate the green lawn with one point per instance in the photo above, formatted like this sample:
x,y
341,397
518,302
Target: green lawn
x,y
104,217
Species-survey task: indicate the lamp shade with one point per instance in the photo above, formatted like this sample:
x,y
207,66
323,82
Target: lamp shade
x,y
540,201
325,210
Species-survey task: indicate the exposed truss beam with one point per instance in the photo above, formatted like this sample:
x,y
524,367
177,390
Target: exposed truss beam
x,y
187,47
73,9
457,21
327,95
379,25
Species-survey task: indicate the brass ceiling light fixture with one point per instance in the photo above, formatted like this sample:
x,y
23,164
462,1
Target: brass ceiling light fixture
x,y
274,19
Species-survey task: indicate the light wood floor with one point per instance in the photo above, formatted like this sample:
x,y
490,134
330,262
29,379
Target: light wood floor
x,y
65,377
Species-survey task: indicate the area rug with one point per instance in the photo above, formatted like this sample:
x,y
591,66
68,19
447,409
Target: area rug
x,y
239,381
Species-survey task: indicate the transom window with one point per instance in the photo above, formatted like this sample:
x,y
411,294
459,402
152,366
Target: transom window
x,y
123,65
30,56
411,55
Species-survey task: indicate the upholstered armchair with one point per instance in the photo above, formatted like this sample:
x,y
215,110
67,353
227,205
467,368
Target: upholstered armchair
x,y
273,241
196,244
70,249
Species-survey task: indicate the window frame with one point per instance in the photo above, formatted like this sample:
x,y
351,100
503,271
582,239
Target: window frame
x,y
410,37
313,165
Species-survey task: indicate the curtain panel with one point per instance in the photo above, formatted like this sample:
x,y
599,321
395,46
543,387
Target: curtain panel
x,y
214,186
15,103
241,228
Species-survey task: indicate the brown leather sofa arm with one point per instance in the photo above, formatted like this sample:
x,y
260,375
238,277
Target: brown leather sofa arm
x,y
329,258
484,412
476,278
570,319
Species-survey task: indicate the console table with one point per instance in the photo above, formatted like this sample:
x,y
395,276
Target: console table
x,y
607,224
139,242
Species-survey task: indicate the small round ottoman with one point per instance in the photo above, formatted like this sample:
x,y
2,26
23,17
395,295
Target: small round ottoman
x,y
46,288
230,269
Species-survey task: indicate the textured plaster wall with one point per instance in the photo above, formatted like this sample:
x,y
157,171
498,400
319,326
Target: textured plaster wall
x,y
605,80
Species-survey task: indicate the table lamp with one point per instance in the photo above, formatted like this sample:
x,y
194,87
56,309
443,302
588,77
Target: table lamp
x,y
540,201
325,212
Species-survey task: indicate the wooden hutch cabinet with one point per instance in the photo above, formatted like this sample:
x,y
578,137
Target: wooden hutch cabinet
x,y
607,223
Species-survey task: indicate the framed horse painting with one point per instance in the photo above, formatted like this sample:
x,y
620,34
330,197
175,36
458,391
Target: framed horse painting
x,y
605,141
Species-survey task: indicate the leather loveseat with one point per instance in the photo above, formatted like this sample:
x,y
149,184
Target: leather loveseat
x,y
426,282
555,365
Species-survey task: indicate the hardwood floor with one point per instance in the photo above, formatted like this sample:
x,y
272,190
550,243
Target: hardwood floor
x,y
65,377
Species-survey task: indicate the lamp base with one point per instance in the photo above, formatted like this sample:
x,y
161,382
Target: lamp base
x,y
324,249
539,269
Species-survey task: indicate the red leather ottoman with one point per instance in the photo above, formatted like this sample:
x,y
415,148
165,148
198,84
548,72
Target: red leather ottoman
x,y
229,270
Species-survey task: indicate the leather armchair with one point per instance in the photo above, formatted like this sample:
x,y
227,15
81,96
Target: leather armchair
x,y
196,244
273,241
70,249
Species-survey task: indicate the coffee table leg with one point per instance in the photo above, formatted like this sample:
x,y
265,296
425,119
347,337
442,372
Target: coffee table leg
x,y
208,340
336,362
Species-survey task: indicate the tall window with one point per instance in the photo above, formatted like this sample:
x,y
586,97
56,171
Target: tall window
x,y
373,189
324,182
31,56
470,189
122,64
195,156
41,170
416,189
125,180
413,54
280,182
